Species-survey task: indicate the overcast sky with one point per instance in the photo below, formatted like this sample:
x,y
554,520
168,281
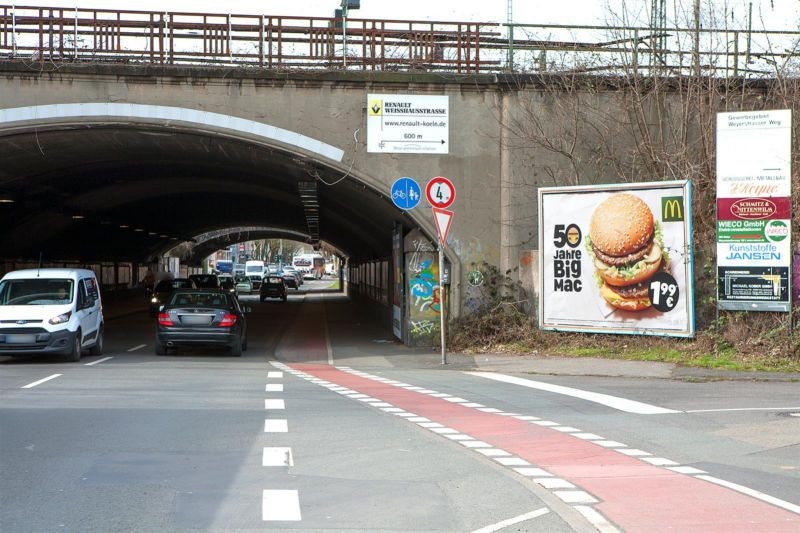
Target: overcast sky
x,y
776,14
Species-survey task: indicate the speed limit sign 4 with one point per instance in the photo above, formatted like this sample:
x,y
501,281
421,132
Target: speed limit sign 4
x,y
440,192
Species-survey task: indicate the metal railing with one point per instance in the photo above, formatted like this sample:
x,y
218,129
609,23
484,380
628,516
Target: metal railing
x,y
167,38
316,43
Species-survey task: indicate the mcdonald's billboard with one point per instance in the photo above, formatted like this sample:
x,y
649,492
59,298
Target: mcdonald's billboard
x,y
617,259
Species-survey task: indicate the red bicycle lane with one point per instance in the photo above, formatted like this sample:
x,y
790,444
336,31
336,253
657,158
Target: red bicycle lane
x,y
635,495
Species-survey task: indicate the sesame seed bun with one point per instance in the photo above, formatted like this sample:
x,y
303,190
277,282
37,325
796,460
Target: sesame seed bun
x,y
621,225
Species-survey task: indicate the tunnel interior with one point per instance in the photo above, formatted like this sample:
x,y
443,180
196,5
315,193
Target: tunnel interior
x,y
132,192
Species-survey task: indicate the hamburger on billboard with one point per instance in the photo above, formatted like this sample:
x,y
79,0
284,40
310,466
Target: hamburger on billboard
x,y
616,259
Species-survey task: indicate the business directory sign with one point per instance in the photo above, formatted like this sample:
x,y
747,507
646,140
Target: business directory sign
x,y
754,210
617,259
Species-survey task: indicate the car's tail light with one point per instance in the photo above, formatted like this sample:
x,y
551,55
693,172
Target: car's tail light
x,y
165,320
228,320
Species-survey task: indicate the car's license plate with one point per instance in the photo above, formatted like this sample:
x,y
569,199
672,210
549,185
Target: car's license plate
x,y
20,339
196,320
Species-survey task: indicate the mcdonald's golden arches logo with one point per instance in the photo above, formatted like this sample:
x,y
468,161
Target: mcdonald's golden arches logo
x,y
672,208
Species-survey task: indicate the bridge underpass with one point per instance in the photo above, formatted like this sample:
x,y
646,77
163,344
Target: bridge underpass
x,y
134,193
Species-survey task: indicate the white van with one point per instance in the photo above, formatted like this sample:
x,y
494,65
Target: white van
x,y
51,311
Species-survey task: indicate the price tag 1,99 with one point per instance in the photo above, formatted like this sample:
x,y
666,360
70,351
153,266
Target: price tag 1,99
x,y
663,292
440,192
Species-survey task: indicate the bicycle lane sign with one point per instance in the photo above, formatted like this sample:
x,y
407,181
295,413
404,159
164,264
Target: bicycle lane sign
x,y
406,193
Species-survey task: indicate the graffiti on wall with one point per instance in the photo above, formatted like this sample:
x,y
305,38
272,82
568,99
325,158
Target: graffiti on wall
x,y
422,290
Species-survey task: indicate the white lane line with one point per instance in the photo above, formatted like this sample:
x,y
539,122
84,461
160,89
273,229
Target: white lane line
x,y
277,456
532,472
274,404
280,505
274,387
276,425
615,402
553,483
511,521
48,378
139,347
686,470
596,519
98,361
575,496
272,374
742,409
753,493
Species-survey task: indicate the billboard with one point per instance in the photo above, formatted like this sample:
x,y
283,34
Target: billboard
x,y
617,259
754,210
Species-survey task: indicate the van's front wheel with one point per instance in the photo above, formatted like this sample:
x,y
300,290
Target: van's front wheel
x,y
75,355
97,349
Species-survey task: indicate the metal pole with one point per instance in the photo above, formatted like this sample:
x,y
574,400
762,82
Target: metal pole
x,y
344,33
13,30
442,307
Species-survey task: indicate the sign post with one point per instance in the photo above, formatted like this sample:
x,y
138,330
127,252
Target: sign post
x,y
443,219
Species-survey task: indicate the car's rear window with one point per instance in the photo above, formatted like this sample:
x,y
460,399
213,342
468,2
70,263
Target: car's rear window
x,y
199,299
172,284
274,279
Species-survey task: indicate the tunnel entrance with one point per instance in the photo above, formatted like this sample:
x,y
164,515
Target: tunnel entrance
x,y
86,183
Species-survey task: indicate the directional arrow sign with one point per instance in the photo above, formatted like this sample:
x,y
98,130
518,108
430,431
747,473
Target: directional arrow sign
x,y
443,219
408,123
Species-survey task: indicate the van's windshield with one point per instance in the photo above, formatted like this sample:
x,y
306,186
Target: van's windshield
x,y
36,291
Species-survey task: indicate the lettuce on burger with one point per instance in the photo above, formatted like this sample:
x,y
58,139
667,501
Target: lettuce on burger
x,y
627,249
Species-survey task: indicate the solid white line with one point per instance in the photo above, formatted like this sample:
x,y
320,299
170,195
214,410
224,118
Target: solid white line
x,y
754,493
280,505
743,409
98,361
621,404
137,347
48,378
596,519
276,425
511,521
274,387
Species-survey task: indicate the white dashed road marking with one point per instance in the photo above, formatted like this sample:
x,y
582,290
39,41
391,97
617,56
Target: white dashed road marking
x,y
276,426
98,361
48,378
274,404
277,456
279,505
139,347
274,387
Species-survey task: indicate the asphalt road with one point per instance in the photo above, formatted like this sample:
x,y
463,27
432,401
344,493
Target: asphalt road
x,y
326,425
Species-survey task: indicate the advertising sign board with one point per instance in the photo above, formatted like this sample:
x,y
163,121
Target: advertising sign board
x,y
617,259
754,210
408,123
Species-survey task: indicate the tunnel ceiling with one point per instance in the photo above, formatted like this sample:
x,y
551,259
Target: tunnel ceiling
x,y
172,186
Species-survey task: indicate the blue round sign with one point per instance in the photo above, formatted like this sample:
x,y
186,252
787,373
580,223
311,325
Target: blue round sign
x,y
406,193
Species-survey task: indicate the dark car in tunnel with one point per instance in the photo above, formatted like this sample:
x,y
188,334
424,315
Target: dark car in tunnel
x,y
272,287
202,317
164,289
205,281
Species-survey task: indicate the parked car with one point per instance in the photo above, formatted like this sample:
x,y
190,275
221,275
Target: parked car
x,y
243,285
164,289
51,311
290,280
205,281
272,287
226,283
202,317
